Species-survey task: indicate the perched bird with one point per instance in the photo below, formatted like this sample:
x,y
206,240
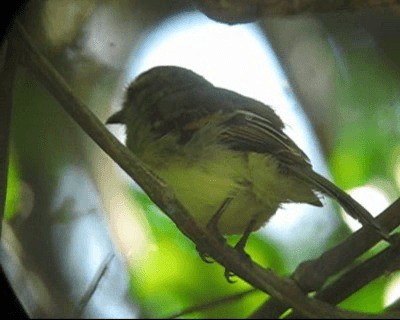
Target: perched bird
x,y
225,156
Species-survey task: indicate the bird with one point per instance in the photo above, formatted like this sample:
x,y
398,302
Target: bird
x,y
225,156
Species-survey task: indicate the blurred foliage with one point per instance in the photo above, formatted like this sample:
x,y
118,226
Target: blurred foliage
x,y
38,112
13,188
368,299
368,99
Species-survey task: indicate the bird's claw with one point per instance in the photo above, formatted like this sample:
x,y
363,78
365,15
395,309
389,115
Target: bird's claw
x,y
228,275
205,257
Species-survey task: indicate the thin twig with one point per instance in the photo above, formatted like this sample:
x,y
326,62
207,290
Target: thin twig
x,y
94,284
212,304
337,258
283,289
384,262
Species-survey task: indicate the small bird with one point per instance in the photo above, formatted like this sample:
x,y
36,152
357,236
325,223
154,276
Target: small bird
x,y
225,156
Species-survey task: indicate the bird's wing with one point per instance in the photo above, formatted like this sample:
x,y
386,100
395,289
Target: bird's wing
x,y
247,130
246,124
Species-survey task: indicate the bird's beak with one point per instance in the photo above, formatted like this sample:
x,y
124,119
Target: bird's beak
x,y
116,118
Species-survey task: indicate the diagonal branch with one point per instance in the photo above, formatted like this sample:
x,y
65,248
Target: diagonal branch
x,y
93,285
384,262
284,290
312,274
214,303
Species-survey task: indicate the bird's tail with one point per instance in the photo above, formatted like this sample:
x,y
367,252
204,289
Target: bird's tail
x,y
351,206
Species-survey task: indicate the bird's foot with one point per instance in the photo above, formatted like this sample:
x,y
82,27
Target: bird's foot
x,y
239,247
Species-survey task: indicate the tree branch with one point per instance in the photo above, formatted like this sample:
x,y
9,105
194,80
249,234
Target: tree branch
x,y
384,262
93,285
311,275
337,258
239,11
284,290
